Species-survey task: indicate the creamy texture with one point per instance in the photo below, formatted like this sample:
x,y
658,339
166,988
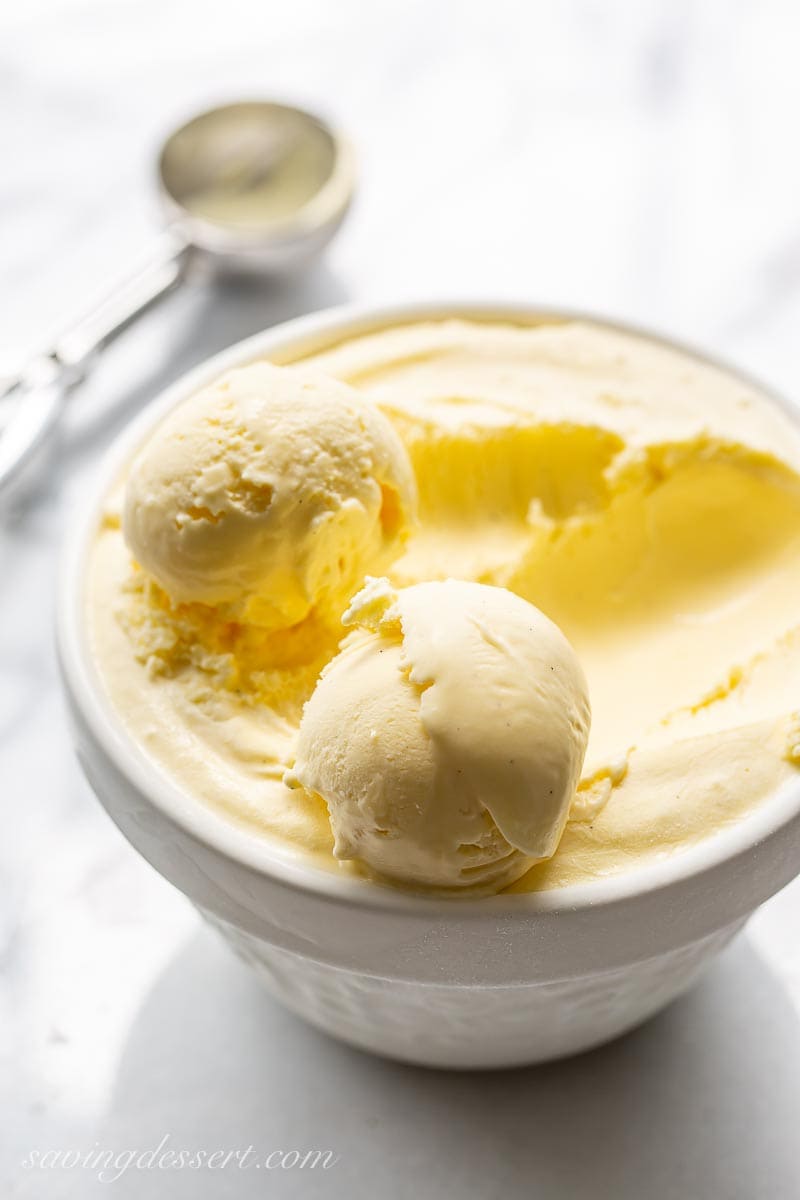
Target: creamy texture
x,y
447,736
647,503
269,494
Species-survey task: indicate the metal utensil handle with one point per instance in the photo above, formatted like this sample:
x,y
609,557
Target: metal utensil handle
x,y
39,392
163,270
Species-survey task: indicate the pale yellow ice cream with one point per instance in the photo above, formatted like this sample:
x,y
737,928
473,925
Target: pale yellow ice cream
x,y
447,736
267,494
647,503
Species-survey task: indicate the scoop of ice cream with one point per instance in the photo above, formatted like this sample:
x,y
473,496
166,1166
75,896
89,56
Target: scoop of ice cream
x,y
270,492
447,736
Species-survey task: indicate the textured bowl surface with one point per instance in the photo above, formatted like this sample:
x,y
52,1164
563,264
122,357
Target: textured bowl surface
x,y
438,1025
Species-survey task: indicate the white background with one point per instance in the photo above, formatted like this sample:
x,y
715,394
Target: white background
x,y
638,159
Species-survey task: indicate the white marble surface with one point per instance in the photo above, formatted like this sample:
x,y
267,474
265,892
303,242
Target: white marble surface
x,y
640,159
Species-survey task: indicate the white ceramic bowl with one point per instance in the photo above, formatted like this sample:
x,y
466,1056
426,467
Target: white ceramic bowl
x,y
454,983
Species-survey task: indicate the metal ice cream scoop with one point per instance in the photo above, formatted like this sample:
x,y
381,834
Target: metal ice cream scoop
x,y
253,186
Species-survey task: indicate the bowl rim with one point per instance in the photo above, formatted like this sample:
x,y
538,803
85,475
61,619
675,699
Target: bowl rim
x,y
291,341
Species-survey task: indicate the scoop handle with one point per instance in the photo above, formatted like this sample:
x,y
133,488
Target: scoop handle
x,y
164,269
39,392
